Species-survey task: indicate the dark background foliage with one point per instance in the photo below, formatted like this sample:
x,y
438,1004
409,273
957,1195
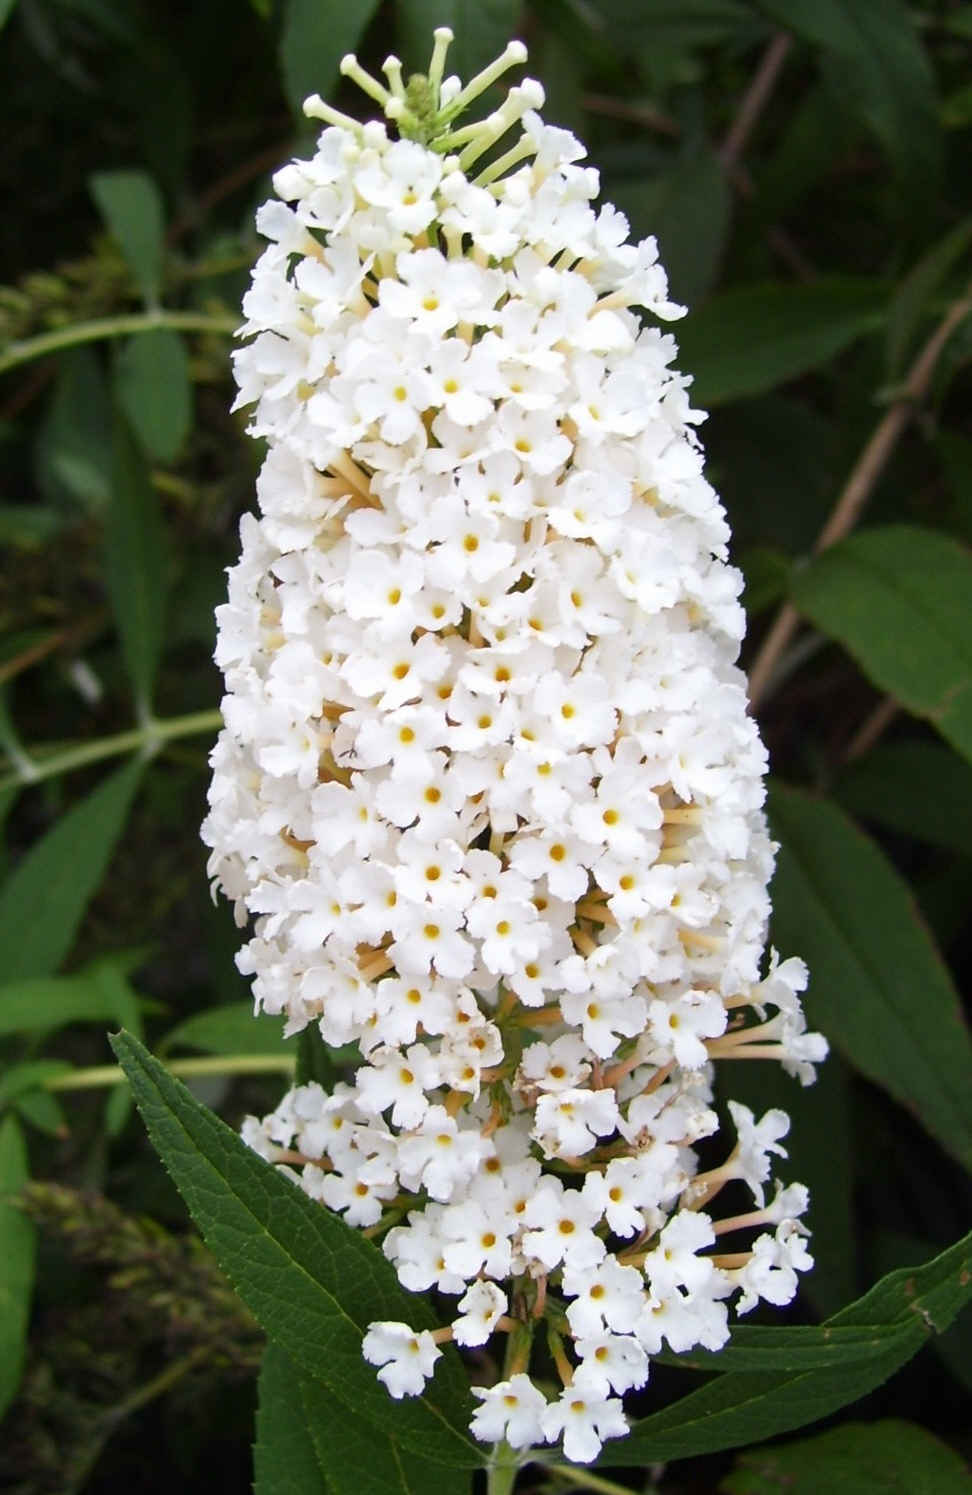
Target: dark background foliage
x,y
805,168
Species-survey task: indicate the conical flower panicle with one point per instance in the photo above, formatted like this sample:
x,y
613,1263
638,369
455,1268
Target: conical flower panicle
x,y
487,784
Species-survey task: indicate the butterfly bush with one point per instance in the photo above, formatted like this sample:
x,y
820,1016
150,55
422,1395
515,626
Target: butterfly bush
x,y
487,785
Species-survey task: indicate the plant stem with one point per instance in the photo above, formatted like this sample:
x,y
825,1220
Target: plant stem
x,y
588,1481
755,99
857,490
103,327
99,1076
149,737
502,1472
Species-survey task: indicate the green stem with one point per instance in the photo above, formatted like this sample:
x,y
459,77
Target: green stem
x,y
149,737
99,1076
502,1472
587,1481
102,327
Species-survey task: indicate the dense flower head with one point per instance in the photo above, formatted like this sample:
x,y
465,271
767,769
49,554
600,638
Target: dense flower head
x,y
487,784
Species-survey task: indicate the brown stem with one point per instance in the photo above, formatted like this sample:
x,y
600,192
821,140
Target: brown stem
x,y
857,490
873,727
754,100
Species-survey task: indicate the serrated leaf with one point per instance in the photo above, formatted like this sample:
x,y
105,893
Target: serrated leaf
x,y
861,1458
742,1407
879,989
360,1459
284,1456
132,207
481,29
897,598
876,66
748,340
311,1281
230,1029
135,564
43,901
17,1252
922,789
314,39
154,389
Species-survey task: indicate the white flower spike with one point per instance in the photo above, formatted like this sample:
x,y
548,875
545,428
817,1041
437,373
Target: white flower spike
x,y
487,785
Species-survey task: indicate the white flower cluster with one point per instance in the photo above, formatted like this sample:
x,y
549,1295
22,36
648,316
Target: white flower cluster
x,y
487,780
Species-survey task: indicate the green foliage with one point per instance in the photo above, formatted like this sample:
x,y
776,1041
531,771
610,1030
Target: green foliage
x,y
898,598
132,207
841,901
43,902
284,1455
314,39
154,390
747,341
878,1458
17,1249
897,1316
313,1283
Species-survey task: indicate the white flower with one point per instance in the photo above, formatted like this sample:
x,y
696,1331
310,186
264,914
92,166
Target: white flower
x,y
510,1410
584,1416
487,785
406,1356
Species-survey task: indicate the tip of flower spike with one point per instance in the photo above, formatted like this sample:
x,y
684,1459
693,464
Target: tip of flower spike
x,y
444,34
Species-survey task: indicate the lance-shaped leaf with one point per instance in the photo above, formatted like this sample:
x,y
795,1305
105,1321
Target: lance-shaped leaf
x,y
902,1311
132,208
314,39
17,1249
313,1283
749,339
134,545
229,1029
361,1459
863,1458
898,598
44,899
154,389
880,990
284,1455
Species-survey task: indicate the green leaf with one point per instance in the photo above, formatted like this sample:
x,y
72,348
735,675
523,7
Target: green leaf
x,y
230,1029
877,69
154,389
135,564
313,1283
20,1079
43,902
904,1309
481,29
17,1251
43,1111
98,994
314,39
747,340
879,989
860,1458
284,1456
361,1459
73,452
6,11
687,207
898,598
922,789
910,302
132,207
